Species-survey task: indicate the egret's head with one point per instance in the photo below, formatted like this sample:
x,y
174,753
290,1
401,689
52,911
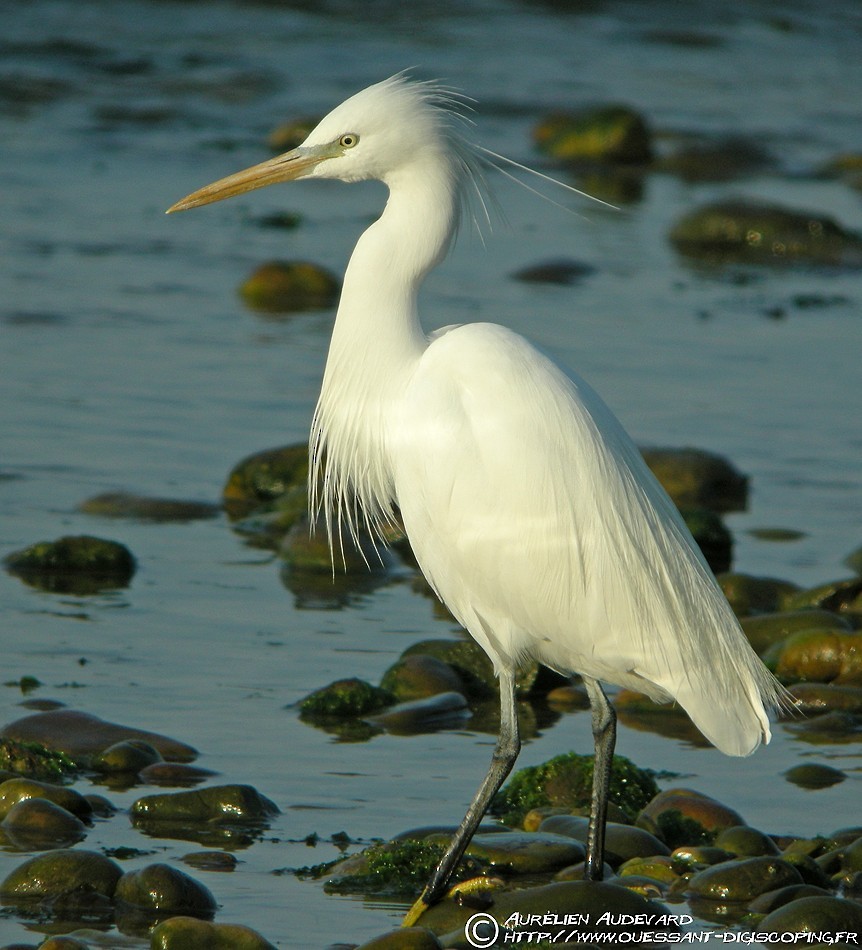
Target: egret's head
x,y
374,134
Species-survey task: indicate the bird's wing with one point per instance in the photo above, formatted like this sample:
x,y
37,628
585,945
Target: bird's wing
x,y
534,517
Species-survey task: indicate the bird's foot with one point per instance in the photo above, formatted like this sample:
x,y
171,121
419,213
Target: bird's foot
x,y
415,912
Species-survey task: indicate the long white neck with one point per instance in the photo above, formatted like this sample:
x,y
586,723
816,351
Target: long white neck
x,y
376,344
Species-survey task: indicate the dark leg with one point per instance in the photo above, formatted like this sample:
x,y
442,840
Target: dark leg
x,y
505,752
604,739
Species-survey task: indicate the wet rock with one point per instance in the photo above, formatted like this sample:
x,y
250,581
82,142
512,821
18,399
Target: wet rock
x,y
682,816
78,564
568,698
721,160
693,856
754,595
17,790
33,760
234,804
83,736
188,933
260,479
130,755
611,909
418,676
742,880
391,868
413,938
87,874
281,287
174,774
711,535
622,842
772,900
665,719
840,595
659,869
443,711
697,479
63,943
814,915
743,841
851,859
814,775
562,272
161,889
142,508
765,631
36,824
609,133
759,233
219,861
288,135
522,852
566,780
304,552
343,699
821,697
818,656
466,657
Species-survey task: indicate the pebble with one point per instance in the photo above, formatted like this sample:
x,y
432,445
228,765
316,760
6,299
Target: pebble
x,y
188,933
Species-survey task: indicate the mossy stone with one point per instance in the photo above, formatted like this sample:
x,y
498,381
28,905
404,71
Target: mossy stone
x,y
344,699
420,675
767,630
750,595
696,479
840,595
189,933
39,824
681,816
290,287
259,479
815,915
743,841
16,790
217,803
33,760
818,656
566,780
733,231
79,564
711,535
814,775
60,872
611,133
162,888
742,880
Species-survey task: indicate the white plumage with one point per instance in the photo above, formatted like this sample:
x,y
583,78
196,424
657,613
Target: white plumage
x,y
529,509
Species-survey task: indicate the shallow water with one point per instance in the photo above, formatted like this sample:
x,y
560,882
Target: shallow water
x,y
127,362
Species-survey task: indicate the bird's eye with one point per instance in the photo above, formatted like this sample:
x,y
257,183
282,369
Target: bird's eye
x,y
348,140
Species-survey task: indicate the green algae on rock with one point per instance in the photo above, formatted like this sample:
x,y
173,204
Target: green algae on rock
x,y
419,675
766,630
749,595
34,760
190,933
84,736
75,564
390,868
682,816
749,232
261,478
566,780
280,287
610,133
344,699
818,656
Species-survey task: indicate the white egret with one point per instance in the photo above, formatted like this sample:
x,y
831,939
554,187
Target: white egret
x,y
528,507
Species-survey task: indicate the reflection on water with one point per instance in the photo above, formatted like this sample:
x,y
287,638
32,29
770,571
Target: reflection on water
x,y
128,364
